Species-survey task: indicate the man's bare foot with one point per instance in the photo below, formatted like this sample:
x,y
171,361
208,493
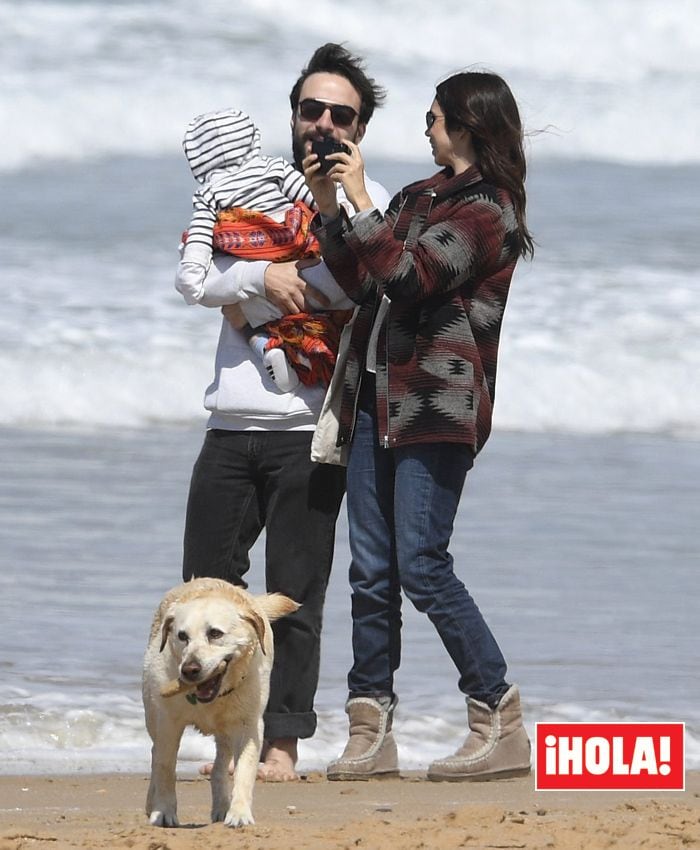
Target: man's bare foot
x,y
278,761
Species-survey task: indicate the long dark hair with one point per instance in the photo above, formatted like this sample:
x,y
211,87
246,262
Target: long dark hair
x,y
482,103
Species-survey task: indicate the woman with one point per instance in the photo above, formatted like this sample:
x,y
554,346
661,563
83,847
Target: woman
x,y
431,277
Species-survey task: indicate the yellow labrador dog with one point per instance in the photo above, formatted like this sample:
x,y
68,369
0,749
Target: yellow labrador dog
x,y
208,665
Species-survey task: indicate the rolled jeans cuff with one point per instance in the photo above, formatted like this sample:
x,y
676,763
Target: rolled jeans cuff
x,y
301,725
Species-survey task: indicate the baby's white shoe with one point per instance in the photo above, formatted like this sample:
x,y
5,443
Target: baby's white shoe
x,y
280,370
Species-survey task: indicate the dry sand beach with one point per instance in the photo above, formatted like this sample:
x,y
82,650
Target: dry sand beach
x,y
100,811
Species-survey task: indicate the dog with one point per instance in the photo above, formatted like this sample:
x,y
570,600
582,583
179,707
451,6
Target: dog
x,y
208,665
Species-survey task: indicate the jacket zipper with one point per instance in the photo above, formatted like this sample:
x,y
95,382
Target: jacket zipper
x,y
398,217
386,357
385,439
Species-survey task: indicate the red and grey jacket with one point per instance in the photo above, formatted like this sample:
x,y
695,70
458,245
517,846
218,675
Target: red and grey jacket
x,y
444,254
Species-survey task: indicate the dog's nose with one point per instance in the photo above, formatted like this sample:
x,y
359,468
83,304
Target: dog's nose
x,y
191,670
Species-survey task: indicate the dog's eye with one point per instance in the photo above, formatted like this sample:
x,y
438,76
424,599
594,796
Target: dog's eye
x,y
183,636
214,634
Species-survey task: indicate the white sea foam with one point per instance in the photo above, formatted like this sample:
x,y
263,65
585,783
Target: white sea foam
x,y
596,357
616,81
50,734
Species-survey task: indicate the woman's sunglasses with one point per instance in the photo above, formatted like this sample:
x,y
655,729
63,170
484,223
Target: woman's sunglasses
x,y
311,109
431,118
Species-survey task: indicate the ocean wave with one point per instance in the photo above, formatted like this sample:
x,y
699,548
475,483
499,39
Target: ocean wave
x,y
582,352
541,388
58,737
606,81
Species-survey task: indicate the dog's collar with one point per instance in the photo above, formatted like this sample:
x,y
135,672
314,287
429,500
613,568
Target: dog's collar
x,y
229,691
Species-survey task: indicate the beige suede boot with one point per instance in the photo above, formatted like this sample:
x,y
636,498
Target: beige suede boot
x,y
370,752
497,746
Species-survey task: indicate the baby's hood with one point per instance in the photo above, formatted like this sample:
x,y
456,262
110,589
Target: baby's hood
x,y
220,140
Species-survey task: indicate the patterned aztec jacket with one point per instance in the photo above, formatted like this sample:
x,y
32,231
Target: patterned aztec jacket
x,y
444,254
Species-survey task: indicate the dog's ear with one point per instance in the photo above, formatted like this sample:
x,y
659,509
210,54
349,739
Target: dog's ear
x,y
276,605
165,631
257,622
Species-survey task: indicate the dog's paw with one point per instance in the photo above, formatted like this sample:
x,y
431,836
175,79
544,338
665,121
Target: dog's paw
x,y
163,818
218,813
241,816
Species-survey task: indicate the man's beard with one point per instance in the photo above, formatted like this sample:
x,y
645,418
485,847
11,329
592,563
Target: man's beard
x,y
298,151
298,148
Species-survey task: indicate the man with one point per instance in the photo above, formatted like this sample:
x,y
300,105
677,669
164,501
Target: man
x,y
254,470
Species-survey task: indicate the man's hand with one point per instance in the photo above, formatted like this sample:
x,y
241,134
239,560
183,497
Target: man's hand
x,y
287,290
322,187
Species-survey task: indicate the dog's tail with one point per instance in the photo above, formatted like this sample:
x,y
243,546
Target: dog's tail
x,y
276,605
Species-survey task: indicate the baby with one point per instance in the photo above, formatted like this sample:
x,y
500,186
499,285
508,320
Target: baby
x,y
256,207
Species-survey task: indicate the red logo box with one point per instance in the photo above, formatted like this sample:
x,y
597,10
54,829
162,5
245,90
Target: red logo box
x,y
610,756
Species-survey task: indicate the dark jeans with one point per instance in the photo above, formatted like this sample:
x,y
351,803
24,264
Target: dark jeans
x,y
242,482
401,508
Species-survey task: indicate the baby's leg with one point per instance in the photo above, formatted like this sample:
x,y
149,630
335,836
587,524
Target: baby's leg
x,y
257,340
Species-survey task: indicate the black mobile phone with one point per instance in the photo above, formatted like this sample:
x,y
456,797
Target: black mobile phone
x,y
323,147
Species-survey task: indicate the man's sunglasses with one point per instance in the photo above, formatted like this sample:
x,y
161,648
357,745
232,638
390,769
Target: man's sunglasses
x,y
311,109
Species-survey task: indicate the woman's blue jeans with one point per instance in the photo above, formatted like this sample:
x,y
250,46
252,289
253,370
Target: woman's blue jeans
x,y
401,508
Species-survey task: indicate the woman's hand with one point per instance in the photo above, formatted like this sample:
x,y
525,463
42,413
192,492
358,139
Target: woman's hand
x,y
322,187
349,170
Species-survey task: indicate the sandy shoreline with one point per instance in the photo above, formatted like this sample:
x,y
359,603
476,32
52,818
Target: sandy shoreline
x,y
95,811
